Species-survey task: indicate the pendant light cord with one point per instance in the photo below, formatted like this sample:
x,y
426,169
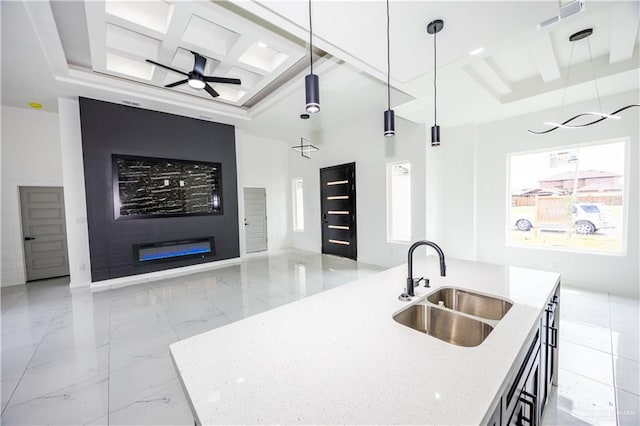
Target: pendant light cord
x,y
435,76
566,84
388,62
310,38
595,81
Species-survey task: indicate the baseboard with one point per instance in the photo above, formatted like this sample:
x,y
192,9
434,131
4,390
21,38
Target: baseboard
x,y
160,275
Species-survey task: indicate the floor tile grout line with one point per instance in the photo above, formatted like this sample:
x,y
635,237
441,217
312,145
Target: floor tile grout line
x,y
109,360
613,366
31,358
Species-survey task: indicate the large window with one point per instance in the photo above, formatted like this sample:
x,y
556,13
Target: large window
x,y
399,202
298,205
570,198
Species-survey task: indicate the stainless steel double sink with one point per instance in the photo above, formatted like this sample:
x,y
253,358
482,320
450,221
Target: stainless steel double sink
x,y
454,315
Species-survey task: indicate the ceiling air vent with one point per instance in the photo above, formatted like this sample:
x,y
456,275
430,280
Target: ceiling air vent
x,y
566,11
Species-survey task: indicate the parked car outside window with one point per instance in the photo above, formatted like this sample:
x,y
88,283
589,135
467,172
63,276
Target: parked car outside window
x,y
587,218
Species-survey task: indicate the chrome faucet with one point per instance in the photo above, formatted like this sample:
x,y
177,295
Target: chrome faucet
x,y
413,282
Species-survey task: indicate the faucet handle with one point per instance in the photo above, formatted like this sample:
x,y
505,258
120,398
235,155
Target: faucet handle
x,y
426,283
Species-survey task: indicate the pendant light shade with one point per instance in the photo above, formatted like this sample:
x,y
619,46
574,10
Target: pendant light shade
x,y
312,91
389,123
435,135
311,81
434,27
389,114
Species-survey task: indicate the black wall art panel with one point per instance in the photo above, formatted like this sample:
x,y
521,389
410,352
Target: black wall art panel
x,y
198,202
154,187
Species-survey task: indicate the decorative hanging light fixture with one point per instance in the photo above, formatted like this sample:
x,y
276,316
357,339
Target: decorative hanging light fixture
x,y
389,114
596,116
434,27
305,148
311,81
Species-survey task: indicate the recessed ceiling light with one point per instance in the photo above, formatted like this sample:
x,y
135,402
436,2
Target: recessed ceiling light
x,y
262,44
476,51
35,105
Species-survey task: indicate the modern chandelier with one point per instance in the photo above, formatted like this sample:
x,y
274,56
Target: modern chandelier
x,y
595,117
306,147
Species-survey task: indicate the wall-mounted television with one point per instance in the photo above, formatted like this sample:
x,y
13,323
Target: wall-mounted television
x,y
147,187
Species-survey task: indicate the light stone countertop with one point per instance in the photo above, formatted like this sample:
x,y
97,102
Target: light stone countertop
x,y
338,357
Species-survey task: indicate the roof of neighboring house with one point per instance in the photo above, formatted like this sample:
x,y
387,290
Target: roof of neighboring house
x,y
582,174
600,187
538,191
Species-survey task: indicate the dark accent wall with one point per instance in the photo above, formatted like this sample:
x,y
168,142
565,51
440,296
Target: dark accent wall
x,y
111,128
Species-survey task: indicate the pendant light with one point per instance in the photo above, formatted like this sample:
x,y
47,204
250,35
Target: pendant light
x,y
434,27
306,147
596,116
311,81
389,115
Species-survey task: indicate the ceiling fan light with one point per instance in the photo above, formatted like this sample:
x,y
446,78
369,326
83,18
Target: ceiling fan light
x,y
312,93
196,83
389,123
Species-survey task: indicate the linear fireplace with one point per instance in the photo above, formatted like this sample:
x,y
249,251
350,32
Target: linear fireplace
x,y
167,251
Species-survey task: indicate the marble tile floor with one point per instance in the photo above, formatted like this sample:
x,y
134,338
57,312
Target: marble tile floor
x,y
599,376
76,357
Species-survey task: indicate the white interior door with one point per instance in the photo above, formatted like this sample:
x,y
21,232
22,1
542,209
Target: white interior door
x,y
44,232
255,219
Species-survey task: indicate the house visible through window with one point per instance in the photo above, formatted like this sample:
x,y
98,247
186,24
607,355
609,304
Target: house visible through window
x,y
570,198
298,205
399,202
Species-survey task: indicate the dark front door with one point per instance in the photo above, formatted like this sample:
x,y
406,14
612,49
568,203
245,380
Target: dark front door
x,y
338,205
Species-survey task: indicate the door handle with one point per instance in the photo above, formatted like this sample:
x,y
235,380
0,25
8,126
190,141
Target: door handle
x,y
29,238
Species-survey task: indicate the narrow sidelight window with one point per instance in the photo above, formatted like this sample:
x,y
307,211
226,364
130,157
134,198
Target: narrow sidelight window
x,y
399,202
298,205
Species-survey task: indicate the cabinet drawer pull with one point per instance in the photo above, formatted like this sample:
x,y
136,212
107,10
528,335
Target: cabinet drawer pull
x,y
553,340
524,395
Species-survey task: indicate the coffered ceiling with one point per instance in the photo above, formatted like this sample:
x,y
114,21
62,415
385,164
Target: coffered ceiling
x,y
123,34
98,49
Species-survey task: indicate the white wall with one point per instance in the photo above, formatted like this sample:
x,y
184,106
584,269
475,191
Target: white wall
x,y
75,195
263,163
473,203
361,141
31,156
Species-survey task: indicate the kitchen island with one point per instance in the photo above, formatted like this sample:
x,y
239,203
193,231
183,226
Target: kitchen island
x,y
339,357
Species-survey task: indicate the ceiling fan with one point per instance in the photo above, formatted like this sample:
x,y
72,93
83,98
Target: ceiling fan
x,y
196,78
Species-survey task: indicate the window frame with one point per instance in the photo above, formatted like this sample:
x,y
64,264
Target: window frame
x,y
297,227
624,221
389,197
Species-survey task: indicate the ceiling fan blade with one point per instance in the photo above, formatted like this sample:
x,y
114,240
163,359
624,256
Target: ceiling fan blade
x,y
166,67
222,80
211,91
177,83
198,65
